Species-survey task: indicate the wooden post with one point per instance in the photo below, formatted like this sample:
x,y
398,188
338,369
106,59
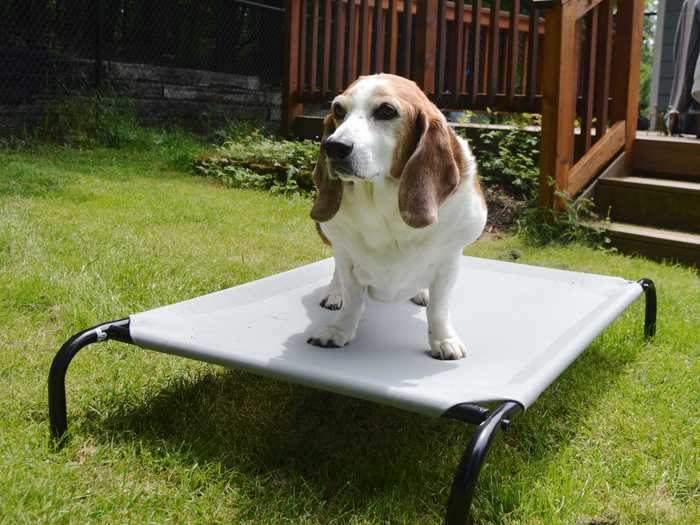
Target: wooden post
x,y
558,103
626,64
291,107
426,43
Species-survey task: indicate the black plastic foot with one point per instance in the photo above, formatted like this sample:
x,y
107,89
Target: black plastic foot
x,y
58,417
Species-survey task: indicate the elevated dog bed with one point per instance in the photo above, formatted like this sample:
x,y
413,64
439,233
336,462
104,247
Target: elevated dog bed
x,y
522,327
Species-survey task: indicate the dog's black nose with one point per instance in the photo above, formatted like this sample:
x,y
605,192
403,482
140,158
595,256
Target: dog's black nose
x,y
337,150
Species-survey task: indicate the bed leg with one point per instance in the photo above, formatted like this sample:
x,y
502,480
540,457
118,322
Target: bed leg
x,y
117,330
459,504
649,307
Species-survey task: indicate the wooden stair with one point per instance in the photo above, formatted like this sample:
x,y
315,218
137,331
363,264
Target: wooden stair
x,y
655,212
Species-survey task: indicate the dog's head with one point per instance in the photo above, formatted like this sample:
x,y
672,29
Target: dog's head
x,y
384,126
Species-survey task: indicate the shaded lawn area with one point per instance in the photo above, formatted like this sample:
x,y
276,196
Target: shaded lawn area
x,y
87,236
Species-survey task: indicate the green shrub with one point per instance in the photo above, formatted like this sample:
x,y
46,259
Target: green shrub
x,y
101,121
92,121
510,159
250,159
577,222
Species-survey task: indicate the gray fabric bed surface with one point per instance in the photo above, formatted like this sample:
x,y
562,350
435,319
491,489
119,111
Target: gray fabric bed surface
x,y
522,326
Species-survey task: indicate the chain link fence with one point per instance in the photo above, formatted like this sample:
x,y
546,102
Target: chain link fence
x,y
53,47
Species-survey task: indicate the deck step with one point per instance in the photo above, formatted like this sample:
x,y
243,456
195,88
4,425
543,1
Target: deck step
x,y
650,201
655,243
667,156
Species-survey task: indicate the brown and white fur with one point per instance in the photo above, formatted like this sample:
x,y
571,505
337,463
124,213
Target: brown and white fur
x,y
399,199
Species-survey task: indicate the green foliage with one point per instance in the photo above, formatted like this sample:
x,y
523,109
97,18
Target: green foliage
x,y
250,159
96,121
105,122
91,121
576,223
510,159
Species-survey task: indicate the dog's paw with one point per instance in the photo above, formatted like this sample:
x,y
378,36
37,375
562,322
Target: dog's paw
x,y
421,298
447,349
332,300
330,336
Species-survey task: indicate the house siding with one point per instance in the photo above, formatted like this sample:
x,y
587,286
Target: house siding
x,y
671,14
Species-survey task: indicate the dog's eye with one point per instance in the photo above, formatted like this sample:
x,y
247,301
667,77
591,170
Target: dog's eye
x,y
338,111
385,112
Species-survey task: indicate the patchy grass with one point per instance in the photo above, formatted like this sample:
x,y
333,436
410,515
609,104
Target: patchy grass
x,y
87,236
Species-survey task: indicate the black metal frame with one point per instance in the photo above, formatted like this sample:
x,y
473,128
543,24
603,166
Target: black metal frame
x,y
488,421
58,416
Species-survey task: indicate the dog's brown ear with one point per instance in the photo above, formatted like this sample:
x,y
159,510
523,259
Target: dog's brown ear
x,y
329,191
432,172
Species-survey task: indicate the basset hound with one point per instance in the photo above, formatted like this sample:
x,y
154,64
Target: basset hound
x,y
398,198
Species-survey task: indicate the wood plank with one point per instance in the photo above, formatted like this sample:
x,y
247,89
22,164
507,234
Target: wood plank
x,y
442,47
626,65
558,105
291,107
577,8
514,48
339,37
485,17
408,27
603,63
502,60
526,64
426,40
393,35
315,15
465,59
667,156
302,45
326,65
494,41
351,60
458,48
379,37
655,243
589,65
592,163
475,58
365,38
356,44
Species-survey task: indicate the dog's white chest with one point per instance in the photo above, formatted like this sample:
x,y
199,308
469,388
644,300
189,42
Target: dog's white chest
x,y
382,247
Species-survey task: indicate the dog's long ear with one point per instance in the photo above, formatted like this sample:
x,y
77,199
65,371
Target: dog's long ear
x,y
329,191
432,172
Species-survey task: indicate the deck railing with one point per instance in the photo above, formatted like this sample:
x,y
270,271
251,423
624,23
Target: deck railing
x,y
590,91
492,60
578,66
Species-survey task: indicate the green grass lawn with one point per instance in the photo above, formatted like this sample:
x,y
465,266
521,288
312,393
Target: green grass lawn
x,y
87,236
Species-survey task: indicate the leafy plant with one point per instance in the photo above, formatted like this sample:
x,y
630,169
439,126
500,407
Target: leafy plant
x,y
92,121
251,159
576,222
510,159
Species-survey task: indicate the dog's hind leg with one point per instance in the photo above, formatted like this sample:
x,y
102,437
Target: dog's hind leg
x,y
332,297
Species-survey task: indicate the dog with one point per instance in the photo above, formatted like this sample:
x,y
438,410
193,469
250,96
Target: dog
x,y
398,198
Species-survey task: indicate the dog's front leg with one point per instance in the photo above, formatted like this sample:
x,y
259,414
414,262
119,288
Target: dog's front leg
x,y
343,328
444,342
332,298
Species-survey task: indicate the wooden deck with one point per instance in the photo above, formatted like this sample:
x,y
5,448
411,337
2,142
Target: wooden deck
x,y
654,209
